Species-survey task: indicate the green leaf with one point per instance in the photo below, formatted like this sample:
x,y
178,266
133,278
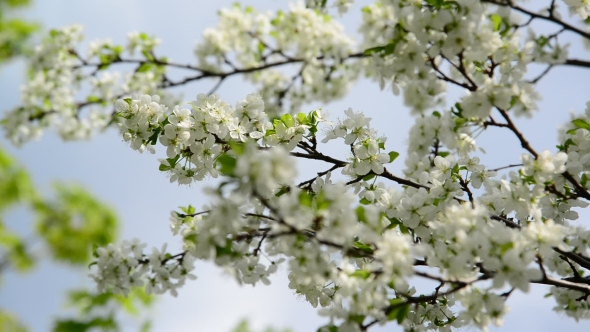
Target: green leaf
x,y
190,209
302,118
496,21
154,138
369,176
261,47
145,67
283,191
356,318
305,199
404,229
365,201
400,312
582,124
505,247
395,301
542,41
226,250
148,55
164,168
227,163
288,120
237,147
72,325
276,123
443,153
393,155
360,214
364,247
394,222
328,328
172,161
459,110
93,99
363,274
372,50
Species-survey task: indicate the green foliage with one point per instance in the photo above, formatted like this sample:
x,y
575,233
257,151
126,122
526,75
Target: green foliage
x,y
9,323
400,310
244,326
87,301
73,222
393,155
14,32
580,124
69,225
97,311
15,184
14,3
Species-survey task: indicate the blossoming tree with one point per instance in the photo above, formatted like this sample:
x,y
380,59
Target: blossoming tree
x,y
351,245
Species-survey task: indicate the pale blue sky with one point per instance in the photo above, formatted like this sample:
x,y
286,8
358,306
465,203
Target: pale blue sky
x,y
143,197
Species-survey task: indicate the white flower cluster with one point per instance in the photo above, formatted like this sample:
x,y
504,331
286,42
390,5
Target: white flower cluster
x,y
49,94
120,268
266,171
59,74
353,248
579,7
576,143
194,138
412,47
260,210
366,147
544,167
299,35
467,237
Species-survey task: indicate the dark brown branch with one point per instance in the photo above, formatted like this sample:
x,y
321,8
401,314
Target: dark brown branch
x,y
386,174
247,70
577,258
441,75
216,86
577,63
505,167
257,250
550,18
466,189
506,221
319,156
523,141
309,182
545,72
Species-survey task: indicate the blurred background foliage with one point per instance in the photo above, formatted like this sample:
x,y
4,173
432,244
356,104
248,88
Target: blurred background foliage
x,y
67,227
244,326
14,32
